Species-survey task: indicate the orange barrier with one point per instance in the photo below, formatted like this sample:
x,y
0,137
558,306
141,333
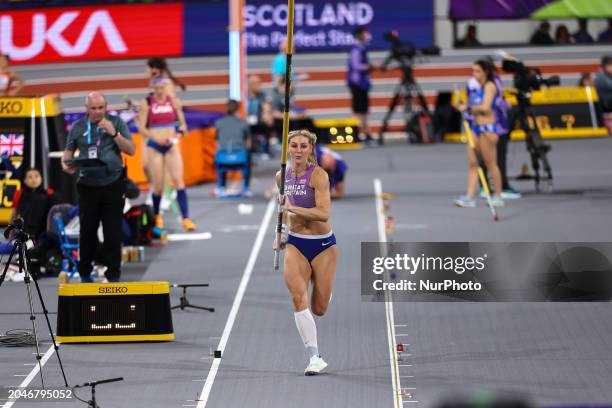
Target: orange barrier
x,y
198,150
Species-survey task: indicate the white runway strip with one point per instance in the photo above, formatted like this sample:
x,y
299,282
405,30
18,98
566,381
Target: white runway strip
x,y
32,374
382,237
210,379
190,237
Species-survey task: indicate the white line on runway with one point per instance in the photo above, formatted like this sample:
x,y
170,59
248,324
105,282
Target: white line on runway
x,y
382,237
32,374
239,228
210,379
189,237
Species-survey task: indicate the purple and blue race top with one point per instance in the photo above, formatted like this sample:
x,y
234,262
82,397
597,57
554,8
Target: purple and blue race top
x,y
298,189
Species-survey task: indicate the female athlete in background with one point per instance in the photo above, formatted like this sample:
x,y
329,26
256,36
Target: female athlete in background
x,y
157,118
481,102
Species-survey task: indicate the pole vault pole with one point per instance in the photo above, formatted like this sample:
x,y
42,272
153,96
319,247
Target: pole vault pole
x,y
283,158
237,54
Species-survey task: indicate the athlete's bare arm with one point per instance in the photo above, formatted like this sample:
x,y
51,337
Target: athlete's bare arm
x,y
143,113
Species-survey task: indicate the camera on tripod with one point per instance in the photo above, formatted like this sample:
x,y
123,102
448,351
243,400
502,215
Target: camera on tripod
x,y
404,53
417,124
15,231
527,79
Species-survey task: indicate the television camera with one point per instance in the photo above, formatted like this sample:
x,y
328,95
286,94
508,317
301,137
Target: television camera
x,y
528,79
403,54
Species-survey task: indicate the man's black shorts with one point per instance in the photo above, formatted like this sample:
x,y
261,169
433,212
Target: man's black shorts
x,y
361,100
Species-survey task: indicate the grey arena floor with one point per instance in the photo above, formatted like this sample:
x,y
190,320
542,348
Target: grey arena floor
x,y
553,354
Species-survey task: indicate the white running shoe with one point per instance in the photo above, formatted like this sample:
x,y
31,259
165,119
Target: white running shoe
x,y
316,365
165,203
18,277
465,202
149,200
9,276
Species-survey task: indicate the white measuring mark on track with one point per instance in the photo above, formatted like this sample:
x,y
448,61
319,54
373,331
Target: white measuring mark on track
x,y
32,374
229,324
382,237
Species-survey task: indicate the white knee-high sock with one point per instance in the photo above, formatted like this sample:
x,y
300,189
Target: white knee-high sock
x,y
308,331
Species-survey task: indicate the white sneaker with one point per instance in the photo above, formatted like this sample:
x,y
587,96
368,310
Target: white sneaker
x,y
149,200
9,275
18,277
465,202
510,194
165,203
316,365
497,201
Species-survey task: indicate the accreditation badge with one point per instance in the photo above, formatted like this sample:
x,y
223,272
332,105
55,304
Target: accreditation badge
x,y
92,152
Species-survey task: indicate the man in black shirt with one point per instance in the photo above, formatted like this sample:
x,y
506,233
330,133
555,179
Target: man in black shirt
x,y
100,139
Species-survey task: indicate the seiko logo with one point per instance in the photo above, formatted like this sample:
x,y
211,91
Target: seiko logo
x,y
52,33
11,107
111,290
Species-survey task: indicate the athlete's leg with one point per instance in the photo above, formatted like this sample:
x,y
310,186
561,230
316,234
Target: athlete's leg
x,y
472,179
488,147
297,276
323,273
145,160
174,163
156,169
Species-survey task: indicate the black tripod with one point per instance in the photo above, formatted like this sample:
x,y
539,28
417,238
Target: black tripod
x,y
405,90
535,144
184,301
21,243
92,402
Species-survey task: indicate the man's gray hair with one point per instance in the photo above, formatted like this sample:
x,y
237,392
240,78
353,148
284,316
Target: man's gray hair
x,y
92,94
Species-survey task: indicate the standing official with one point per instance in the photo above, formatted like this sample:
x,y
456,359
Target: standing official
x,y
358,78
100,139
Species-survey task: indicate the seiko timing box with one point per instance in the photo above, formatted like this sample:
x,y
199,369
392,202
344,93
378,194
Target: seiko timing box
x,y
114,312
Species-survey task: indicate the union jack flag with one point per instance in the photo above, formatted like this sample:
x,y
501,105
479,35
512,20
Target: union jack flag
x,y
11,144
